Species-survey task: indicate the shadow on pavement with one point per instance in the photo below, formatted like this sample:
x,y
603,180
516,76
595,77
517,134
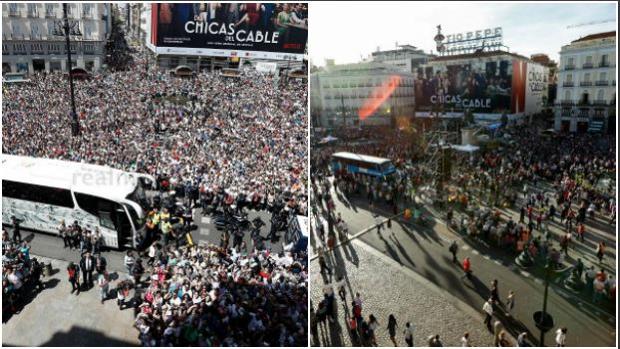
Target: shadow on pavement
x,y
82,337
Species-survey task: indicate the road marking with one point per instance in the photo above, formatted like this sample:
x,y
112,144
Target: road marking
x,y
204,231
486,257
475,252
465,247
497,262
205,220
538,281
525,273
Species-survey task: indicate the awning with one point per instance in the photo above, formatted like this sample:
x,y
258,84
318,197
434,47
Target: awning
x,y
595,126
468,148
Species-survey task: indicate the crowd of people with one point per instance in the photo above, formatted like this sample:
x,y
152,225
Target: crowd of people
x,y
244,135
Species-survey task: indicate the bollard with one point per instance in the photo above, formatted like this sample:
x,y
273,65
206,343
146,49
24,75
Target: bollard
x,y
47,269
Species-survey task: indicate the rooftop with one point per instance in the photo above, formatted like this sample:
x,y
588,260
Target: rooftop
x,y
478,55
595,36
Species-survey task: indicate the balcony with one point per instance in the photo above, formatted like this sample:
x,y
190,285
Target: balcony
x,y
33,14
569,67
566,102
602,83
568,84
587,66
14,13
604,65
50,14
585,83
87,15
599,102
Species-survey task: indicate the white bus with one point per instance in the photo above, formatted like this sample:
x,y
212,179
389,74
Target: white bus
x,y
43,192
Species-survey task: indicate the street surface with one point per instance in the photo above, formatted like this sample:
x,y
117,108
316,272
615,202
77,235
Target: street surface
x,y
425,251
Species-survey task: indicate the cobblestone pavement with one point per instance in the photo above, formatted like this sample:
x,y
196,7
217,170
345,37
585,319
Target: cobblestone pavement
x,y
386,287
57,318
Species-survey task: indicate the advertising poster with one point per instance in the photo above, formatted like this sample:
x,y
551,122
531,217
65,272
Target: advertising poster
x,y
484,87
261,30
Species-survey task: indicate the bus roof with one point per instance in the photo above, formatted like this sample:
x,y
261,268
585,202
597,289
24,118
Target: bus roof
x,y
303,225
101,181
364,158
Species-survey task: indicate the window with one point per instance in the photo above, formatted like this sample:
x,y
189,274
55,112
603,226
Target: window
x,y
569,77
605,61
600,95
88,29
13,8
586,77
588,59
49,9
86,9
567,95
602,76
16,28
571,61
102,208
34,30
37,193
50,28
32,9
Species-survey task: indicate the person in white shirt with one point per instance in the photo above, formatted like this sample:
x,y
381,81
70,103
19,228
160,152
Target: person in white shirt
x,y
560,337
408,332
465,340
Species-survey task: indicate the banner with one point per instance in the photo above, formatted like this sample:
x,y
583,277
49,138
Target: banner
x,y
478,87
261,30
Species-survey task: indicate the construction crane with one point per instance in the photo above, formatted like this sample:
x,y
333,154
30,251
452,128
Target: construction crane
x,y
590,23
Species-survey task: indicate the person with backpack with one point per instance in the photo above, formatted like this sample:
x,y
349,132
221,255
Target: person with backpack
x,y
74,277
454,249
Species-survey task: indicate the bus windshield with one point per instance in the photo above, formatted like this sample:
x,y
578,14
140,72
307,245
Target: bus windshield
x,y
139,197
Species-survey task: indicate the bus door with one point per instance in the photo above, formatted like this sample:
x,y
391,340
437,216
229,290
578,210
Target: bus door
x,y
123,227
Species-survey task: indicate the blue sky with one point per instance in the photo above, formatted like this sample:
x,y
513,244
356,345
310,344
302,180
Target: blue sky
x,y
348,31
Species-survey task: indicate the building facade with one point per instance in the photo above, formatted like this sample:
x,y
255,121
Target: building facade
x,y
407,58
361,94
489,84
552,65
586,97
30,42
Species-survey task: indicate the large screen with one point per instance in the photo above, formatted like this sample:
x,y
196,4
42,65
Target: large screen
x,y
258,30
485,87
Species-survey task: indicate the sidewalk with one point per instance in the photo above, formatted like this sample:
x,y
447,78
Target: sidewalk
x,y
387,287
55,317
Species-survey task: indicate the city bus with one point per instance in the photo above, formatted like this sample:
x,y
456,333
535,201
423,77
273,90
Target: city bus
x,y
365,164
41,193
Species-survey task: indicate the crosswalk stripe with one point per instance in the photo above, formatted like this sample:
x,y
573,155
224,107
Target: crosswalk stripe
x,y
206,220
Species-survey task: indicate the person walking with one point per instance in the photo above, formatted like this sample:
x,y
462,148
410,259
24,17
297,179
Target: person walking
x,y
466,268
103,281
600,251
391,327
495,293
487,307
87,263
17,233
560,337
74,277
465,340
408,332
129,261
510,302
373,324
497,330
454,249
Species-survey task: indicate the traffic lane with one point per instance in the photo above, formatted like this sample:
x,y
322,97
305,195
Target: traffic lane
x,y
52,246
428,255
207,231
426,252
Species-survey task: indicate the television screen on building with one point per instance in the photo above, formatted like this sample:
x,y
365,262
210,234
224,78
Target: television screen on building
x,y
484,87
252,30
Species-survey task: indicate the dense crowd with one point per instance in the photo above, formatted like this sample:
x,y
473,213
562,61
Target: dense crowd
x,y
213,296
245,135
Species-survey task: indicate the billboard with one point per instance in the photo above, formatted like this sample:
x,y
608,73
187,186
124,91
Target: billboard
x,y
253,30
536,84
480,87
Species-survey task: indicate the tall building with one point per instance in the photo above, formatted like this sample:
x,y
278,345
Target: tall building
x,y
406,57
30,42
586,98
361,94
552,65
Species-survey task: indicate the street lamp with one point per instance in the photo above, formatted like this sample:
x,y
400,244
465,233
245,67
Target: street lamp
x,y
66,28
543,320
